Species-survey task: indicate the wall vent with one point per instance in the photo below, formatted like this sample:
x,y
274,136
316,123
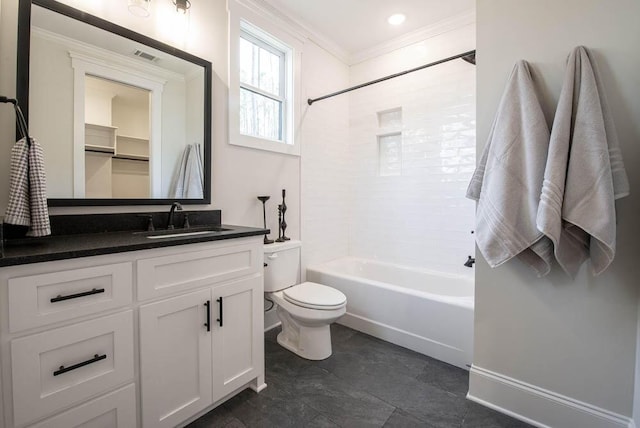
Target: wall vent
x,y
145,55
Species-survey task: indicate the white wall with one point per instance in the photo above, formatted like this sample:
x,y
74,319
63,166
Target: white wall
x,y
575,339
419,217
52,70
132,119
97,101
7,87
195,115
174,130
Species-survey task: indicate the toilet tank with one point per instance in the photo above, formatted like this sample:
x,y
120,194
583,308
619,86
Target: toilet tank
x,y
282,268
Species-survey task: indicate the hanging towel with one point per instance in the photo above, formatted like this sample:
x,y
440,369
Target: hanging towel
x,y
508,179
28,189
584,174
189,181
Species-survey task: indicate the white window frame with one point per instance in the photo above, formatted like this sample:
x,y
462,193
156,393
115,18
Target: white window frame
x,y
250,35
265,30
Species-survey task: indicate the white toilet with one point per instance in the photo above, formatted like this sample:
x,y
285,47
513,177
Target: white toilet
x,y
306,310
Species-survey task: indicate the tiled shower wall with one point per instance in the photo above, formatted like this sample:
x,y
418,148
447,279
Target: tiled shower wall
x,y
325,159
409,209
412,153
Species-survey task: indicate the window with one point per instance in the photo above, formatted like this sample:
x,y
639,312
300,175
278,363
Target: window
x,y
264,64
262,88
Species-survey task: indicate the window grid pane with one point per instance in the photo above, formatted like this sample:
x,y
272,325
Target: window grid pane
x,y
260,116
259,67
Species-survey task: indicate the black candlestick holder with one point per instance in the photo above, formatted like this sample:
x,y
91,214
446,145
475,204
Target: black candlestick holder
x,y
283,225
264,200
279,224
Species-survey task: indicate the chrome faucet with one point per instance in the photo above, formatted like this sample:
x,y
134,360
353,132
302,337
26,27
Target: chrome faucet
x,y
175,206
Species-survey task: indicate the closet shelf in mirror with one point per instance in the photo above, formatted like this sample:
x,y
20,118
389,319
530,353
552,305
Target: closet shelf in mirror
x,y
99,138
126,156
132,147
132,138
99,149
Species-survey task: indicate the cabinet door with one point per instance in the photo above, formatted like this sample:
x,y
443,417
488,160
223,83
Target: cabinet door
x,y
175,359
238,338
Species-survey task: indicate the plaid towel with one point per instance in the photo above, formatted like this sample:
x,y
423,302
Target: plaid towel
x,y
28,189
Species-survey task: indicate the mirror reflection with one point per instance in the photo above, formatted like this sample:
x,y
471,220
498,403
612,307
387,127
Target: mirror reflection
x,y
116,118
116,140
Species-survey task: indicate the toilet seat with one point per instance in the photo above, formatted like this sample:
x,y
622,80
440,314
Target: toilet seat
x,y
315,296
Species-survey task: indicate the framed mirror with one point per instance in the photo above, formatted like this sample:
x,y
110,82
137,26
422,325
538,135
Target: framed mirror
x,y
123,119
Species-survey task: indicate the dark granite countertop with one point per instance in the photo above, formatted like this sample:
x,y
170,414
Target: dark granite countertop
x,y
65,245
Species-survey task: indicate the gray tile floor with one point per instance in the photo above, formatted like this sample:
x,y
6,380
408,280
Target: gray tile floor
x,y
365,383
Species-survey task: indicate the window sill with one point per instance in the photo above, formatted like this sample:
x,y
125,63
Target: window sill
x,y
265,144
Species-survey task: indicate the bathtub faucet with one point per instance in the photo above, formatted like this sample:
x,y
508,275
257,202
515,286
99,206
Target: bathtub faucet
x,y
470,261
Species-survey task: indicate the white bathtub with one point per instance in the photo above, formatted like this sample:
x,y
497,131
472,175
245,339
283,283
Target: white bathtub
x,y
426,311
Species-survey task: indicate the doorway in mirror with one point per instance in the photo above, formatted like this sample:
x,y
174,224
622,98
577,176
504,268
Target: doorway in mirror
x,y
116,143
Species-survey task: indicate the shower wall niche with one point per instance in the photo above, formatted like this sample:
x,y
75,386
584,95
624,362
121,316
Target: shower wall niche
x,y
390,142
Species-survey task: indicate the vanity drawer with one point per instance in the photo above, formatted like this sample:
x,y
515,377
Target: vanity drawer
x,y
114,410
61,367
39,300
160,276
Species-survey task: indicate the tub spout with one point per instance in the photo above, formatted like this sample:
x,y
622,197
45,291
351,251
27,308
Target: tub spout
x,y
470,261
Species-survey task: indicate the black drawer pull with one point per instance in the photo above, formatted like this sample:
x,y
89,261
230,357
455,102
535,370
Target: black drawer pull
x,y
64,369
208,323
60,298
220,305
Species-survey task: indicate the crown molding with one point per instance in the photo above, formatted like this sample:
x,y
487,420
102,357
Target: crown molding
x,y
424,33
268,11
94,53
305,31
297,26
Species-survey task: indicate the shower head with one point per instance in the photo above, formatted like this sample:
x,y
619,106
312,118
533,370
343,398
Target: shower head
x,y
471,59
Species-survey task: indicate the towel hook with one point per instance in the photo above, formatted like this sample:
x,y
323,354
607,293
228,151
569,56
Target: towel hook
x,y
20,121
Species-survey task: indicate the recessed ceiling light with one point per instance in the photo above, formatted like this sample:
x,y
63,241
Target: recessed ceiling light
x,y
396,19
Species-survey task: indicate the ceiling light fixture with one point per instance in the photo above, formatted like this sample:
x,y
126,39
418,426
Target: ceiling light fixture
x,y
182,5
140,8
396,19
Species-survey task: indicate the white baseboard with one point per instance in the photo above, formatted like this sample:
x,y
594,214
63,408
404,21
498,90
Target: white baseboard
x,y
536,406
437,350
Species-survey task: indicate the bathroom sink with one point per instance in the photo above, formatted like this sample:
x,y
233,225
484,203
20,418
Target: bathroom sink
x,y
179,233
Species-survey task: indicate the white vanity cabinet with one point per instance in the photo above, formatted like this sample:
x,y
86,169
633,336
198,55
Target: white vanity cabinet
x,y
150,338
197,348
200,346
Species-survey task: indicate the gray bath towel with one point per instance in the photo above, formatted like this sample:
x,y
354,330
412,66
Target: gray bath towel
x,y
28,189
584,172
508,179
189,180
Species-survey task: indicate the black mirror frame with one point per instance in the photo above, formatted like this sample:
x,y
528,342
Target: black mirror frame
x,y
22,91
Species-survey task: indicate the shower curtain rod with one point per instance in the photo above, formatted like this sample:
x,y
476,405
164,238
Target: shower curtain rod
x,y
470,57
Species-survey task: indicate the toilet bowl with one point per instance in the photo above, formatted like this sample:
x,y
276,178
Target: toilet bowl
x,y
305,310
